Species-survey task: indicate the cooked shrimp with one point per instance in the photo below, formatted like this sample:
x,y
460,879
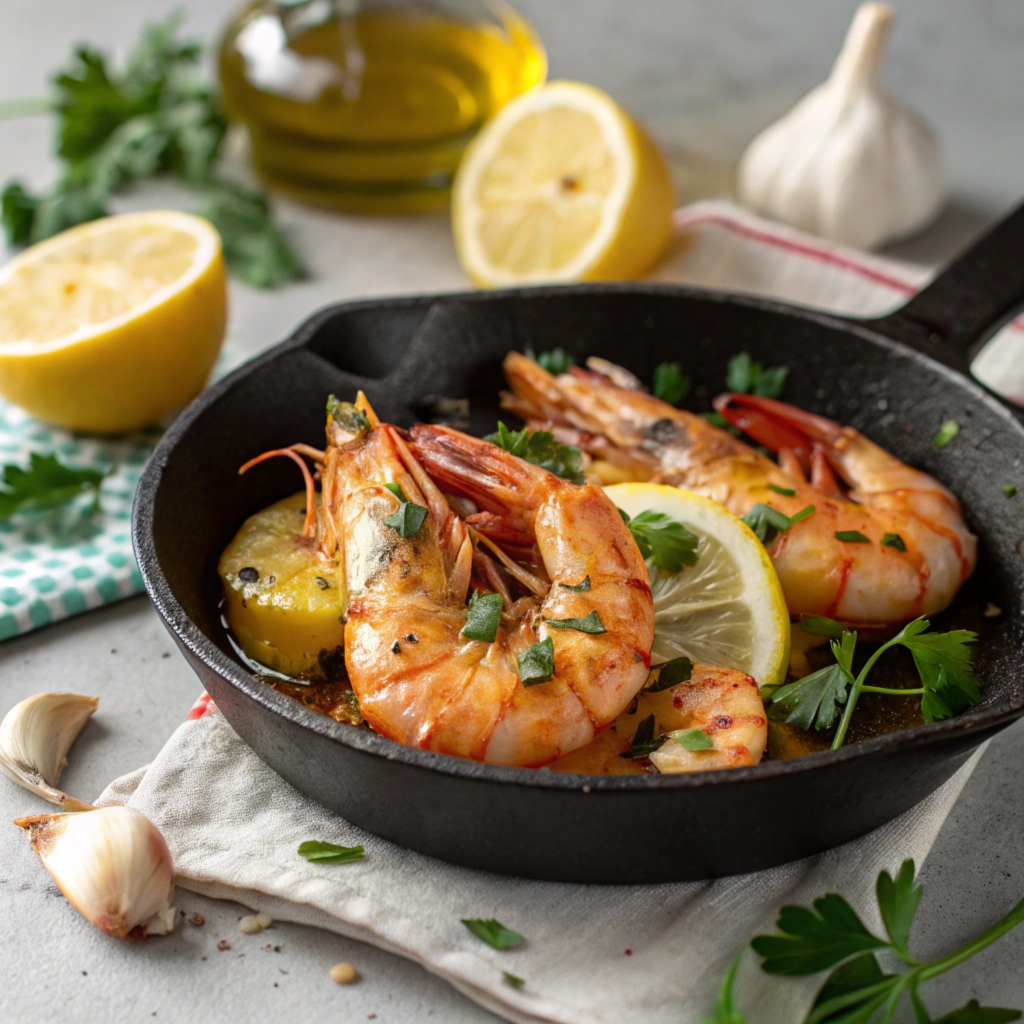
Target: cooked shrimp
x,y
722,703
867,585
418,679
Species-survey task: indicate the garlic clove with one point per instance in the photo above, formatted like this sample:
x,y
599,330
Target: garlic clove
x,y
848,162
113,866
35,737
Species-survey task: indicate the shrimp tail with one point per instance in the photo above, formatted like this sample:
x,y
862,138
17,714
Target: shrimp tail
x,y
778,425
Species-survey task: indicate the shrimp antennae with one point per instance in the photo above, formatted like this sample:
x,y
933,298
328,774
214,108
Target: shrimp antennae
x,y
309,524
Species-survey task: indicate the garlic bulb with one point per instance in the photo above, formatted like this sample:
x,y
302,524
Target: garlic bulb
x,y
848,162
35,737
113,866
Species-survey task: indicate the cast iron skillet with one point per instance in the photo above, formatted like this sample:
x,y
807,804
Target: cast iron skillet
x,y
896,378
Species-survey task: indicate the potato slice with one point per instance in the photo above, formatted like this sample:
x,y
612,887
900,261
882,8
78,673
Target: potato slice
x,y
284,602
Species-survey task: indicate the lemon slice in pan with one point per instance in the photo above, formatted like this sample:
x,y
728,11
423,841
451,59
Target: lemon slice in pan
x,y
726,610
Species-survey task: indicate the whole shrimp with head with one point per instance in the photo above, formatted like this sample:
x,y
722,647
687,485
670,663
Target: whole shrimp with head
x,y
554,652
906,551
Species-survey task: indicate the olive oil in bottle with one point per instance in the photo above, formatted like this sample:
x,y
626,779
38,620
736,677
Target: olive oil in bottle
x,y
367,106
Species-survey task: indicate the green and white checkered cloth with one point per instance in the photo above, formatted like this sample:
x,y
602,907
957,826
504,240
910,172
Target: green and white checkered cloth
x,y
63,561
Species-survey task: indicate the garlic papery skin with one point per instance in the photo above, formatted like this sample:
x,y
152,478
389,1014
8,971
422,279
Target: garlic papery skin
x,y
113,866
35,737
848,162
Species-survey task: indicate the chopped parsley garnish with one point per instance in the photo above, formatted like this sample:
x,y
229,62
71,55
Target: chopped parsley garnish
x,y
1009,490
494,933
328,853
893,540
644,742
483,616
537,662
396,490
555,362
408,517
591,624
852,537
346,415
678,670
942,660
670,383
747,377
946,433
512,980
541,448
768,522
580,588
663,540
787,491
46,483
693,740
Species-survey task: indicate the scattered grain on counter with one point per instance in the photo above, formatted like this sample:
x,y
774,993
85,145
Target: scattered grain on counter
x,y
197,920
992,611
343,973
265,920
223,944
249,925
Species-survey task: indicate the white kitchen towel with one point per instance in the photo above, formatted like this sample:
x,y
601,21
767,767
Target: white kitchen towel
x,y
593,955
650,954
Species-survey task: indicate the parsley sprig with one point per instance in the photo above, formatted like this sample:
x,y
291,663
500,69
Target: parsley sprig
x,y
748,377
541,448
670,383
46,483
768,522
663,540
152,116
943,663
830,935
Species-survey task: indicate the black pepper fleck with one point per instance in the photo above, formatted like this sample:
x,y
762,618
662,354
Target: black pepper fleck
x,y
248,575
322,583
396,648
412,638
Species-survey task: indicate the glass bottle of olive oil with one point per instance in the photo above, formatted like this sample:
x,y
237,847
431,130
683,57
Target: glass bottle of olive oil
x,y
367,105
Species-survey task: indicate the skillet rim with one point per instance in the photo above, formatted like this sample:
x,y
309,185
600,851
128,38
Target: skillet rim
x,y
190,636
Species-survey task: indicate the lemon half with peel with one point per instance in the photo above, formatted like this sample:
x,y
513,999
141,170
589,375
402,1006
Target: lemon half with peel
x,y
561,185
113,324
726,610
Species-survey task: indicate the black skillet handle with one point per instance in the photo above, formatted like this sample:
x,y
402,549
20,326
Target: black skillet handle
x,y
969,300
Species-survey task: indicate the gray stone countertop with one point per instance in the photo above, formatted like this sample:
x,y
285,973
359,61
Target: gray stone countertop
x,y
706,78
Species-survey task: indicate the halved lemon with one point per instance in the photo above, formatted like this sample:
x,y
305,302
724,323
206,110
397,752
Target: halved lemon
x,y
113,324
726,610
561,186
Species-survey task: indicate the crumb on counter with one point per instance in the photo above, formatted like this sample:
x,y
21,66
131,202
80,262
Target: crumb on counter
x,y
343,973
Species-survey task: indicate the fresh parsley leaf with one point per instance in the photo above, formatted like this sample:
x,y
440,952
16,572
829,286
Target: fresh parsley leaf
x,y
819,625
663,540
725,1007
579,588
946,433
747,377
857,987
814,940
852,537
396,490
512,980
678,670
591,624
898,899
644,741
17,210
407,519
693,740
541,448
46,483
670,383
483,616
787,491
974,1013
537,662
813,702
255,249
494,933
556,361
943,662
768,522
893,540
328,853
1008,489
